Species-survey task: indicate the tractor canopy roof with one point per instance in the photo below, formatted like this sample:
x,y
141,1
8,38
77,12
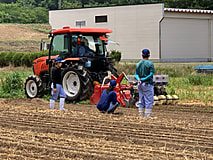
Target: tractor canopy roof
x,y
67,29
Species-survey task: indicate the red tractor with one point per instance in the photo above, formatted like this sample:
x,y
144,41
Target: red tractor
x,y
86,61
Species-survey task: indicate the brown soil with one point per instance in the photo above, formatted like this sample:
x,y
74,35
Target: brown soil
x,y
19,46
29,130
16,38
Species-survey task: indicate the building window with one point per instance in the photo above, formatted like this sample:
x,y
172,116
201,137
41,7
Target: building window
x,y
100,19
80,23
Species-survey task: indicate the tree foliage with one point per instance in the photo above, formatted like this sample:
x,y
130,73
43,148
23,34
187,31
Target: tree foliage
x,y
14,13
36,11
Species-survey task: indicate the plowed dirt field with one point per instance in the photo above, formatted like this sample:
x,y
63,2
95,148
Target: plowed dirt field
x,y
21,37
29,130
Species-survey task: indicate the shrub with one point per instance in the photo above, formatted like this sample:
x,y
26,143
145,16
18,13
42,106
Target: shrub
x,y
12,83
115,55
19,58
8,58
26,61
2,59
16,59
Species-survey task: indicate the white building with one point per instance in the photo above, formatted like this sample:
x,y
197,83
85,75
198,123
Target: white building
x,y
170,34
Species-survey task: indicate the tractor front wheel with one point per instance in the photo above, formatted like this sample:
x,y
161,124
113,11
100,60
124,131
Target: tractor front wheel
x,y
33,86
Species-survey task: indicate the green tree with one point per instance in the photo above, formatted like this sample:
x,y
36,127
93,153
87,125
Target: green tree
x,y
41,15
67,5
7,1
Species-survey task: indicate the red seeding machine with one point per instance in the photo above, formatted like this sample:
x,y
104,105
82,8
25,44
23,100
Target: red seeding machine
x,y
127,95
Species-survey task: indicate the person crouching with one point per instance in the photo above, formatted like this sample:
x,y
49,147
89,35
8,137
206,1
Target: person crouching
x,y
108,101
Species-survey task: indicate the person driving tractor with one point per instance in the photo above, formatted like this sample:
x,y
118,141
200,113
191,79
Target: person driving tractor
x,y
82,48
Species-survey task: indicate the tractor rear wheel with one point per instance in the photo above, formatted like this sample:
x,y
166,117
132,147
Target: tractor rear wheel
x,y
77,83
33,86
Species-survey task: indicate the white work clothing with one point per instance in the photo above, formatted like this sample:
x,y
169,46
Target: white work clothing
x,y
146,93
59,93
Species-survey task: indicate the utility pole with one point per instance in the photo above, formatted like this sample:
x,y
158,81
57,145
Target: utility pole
x,y
59,4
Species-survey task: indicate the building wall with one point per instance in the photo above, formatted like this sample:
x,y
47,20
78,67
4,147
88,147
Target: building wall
x,y
211,37
134,27
186,37
171,36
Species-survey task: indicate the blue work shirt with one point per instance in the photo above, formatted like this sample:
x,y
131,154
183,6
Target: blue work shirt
x,y
105,100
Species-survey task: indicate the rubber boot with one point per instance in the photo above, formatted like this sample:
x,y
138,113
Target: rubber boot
x,y
148,113
52,104
141,112
61,104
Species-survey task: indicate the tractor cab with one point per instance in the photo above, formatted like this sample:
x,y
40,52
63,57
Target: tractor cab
x,y
81,42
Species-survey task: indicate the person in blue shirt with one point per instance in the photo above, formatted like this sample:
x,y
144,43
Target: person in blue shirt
x,y
108,101
82,49
144,74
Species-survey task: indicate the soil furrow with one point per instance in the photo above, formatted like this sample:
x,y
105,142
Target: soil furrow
x,y
178,139
35,132
74,125
136,138
180,127
48,149
153,133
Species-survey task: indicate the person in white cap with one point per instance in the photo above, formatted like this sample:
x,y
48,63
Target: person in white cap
x,y
56,86
144,74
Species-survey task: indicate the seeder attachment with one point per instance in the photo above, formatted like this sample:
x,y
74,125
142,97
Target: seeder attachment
x,y
128,96
160,95
160,84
